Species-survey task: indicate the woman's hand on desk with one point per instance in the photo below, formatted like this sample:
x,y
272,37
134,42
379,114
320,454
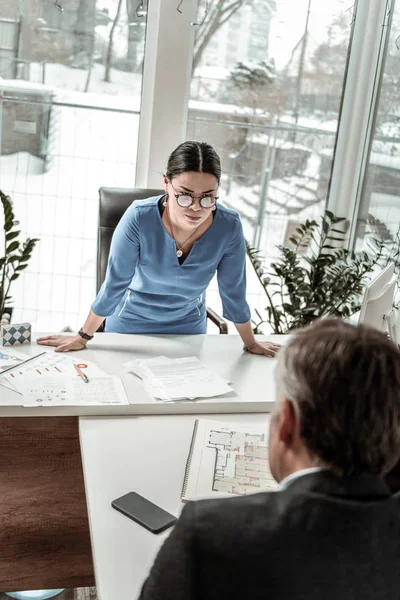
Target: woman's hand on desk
x,y
265,348
63,343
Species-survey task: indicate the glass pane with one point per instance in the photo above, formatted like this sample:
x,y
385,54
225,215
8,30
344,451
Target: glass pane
x,y
381,190
266,88
70,89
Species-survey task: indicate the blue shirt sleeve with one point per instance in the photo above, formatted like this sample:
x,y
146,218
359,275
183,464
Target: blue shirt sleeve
x,y
231,275
122,260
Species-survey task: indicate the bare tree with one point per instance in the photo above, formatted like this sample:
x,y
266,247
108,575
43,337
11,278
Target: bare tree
x,y
84,34
301,66
219,12
110,43
134,34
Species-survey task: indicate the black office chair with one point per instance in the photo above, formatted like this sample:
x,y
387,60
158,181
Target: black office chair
x,y
113,204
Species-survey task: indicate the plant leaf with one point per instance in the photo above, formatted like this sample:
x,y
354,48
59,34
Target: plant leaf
x,y
13,246
13,234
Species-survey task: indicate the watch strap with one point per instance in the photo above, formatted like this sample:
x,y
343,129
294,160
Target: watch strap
x,y
84,335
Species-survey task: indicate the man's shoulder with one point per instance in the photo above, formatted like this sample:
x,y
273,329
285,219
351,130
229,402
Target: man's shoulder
x,y
274,510
234,510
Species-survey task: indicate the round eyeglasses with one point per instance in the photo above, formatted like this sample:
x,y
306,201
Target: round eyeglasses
x,y
185,200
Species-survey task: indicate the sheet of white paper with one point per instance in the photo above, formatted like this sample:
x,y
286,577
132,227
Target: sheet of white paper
x,y
9,358
173,379
49,364
99,390
49,390
56,390
8,384
135,366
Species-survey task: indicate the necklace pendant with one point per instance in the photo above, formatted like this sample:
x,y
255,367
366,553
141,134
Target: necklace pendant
x,y
179,253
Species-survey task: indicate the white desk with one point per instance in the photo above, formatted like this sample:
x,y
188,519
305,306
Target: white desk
x,y
114,462
251,376
143,454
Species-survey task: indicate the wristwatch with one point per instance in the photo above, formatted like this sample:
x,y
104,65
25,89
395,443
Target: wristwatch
x,y
249,348
84,335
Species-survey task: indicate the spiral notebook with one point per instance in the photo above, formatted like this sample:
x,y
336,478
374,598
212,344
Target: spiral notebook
x,y
226,460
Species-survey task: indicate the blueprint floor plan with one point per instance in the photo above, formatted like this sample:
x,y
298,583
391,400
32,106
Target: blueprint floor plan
x,y
241,462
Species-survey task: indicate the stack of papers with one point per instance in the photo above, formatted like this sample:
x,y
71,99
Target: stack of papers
x,y
50,379
170,379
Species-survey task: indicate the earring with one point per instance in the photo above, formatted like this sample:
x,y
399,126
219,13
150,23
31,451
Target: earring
x,y
165,200
214,208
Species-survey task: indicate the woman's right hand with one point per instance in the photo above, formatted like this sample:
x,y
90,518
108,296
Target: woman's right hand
x,y
63,343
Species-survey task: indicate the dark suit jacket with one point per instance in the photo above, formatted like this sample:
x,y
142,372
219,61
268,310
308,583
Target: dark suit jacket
x,y
322,538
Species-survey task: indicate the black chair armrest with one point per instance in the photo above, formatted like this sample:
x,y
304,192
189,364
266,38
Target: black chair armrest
x,y
217,320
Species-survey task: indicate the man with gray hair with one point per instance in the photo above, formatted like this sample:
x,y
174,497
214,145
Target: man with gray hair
x,y
332,531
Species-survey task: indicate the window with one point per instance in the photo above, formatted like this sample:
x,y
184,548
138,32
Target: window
x,y
69,116
270,106
381,188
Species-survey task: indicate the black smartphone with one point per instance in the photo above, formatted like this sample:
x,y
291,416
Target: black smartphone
x,y
144,512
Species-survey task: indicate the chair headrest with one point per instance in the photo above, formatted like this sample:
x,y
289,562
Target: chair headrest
x,y
115,201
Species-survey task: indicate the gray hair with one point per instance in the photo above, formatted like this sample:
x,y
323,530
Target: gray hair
x,y
345,383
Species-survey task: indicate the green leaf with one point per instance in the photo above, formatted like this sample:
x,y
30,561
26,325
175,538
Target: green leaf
x,y
15,276
335,239
13,246
13,234
14,258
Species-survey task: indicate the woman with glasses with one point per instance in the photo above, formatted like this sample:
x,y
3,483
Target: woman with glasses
x,y
164,253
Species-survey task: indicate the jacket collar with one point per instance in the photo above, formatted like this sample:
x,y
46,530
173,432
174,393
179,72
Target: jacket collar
x,y
325,482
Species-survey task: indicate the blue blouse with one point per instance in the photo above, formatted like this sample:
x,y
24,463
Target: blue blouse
x,y
146,290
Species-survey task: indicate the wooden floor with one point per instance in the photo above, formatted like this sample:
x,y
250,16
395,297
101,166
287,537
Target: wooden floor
x,y
77,594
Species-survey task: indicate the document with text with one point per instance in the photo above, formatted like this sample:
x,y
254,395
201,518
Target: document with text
x,y
178,378
51,390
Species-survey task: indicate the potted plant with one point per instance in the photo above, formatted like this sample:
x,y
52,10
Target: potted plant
x,y
16,253
316,276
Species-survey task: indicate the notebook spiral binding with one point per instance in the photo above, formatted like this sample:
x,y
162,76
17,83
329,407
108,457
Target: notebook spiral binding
x,y
189,461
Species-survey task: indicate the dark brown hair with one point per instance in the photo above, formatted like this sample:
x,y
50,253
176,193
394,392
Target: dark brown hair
x,y
345,381
198,157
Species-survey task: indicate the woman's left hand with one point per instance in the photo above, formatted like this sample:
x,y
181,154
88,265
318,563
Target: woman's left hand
x,y
265,348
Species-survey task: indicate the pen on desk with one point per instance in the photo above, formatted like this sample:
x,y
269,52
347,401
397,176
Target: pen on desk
x,y
81,374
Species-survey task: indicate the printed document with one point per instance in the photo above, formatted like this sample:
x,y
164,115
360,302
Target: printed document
x,y
179,378
48,364
56,390
227,459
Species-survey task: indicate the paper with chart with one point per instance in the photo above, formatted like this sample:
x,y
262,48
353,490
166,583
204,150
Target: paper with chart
x,y
226,459
60,390
10,358
47,364
50,379
179,378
